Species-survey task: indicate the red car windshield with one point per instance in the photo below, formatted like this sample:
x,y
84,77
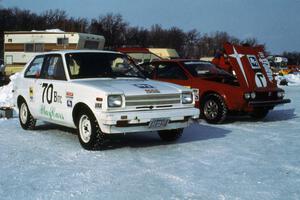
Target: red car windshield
x,y
204,69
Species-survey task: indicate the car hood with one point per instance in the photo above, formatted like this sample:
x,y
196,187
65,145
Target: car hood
x,y
131,86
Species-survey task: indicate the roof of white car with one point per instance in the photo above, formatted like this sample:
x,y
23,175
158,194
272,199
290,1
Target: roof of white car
x,y
78,51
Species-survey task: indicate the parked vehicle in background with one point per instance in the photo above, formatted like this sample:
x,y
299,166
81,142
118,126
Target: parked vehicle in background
x,y
246,87
141,55
279,65
99,93
21,46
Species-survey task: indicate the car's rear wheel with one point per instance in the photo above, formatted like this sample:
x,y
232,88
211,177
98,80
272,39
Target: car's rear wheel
x,y
214,109
26,119
170,135
89,133
259,113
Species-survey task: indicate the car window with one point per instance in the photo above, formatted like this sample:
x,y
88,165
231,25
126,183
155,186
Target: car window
x,y
147,69
53,68
170,71
34,69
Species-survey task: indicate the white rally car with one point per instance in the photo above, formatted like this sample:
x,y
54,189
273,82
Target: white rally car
x,y
100,92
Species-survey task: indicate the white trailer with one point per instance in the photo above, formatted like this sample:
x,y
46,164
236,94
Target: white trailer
x,y
21,46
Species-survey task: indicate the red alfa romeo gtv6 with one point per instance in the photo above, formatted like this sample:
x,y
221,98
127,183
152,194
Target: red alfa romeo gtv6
x,y
240,82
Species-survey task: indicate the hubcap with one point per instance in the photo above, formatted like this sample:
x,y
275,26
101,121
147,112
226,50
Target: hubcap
x,y
23,113
85,128
211,109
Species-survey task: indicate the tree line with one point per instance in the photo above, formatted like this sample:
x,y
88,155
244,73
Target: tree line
x,y
119,33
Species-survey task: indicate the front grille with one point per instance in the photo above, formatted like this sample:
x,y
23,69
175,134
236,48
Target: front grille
x,y
266,96
155,99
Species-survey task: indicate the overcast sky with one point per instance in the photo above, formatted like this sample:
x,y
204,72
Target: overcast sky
x,y
273,22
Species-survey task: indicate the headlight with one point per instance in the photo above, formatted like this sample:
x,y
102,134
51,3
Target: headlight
x,y
280,94
114,101
253,95
187,98
247,96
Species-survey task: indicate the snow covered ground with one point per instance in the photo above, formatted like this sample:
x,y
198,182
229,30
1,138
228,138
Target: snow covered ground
x,y
241,159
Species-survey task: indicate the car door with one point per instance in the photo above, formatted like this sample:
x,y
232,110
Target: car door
x,y
29,86
52,87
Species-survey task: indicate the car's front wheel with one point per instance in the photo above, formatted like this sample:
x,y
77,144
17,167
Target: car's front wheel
x,y
170,135
26,119
89,133
214,109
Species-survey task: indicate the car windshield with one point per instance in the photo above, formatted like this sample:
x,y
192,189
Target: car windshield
x,y
95,65
204,69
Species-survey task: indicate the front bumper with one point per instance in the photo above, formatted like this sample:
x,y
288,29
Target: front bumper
x,y
138,121
270,103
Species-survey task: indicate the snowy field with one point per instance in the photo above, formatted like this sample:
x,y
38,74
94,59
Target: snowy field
x,y
241,159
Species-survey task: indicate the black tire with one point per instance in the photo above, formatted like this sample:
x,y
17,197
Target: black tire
x,y
170,135
259,113
26,119
89,133
214,109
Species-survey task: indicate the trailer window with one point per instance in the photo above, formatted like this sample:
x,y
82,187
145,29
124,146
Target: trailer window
x,y
39,47
62,41
91,44
29,47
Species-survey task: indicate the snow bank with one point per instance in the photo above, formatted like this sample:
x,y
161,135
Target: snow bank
x,y
6,93
292,79
49,30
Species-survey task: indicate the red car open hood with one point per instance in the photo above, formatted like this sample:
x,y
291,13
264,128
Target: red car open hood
x,y
251,67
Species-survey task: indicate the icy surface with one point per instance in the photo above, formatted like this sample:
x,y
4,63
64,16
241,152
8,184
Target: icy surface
x,y
242,159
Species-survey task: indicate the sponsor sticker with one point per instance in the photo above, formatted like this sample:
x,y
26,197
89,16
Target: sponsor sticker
x,y
98,105
151,91
51,113
31,93
143,86
253,62
260,80
69,103
267,68
196,93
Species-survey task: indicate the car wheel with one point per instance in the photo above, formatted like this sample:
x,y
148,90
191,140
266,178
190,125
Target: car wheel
x,y
89,133
26,119
259,113
170,135
214,109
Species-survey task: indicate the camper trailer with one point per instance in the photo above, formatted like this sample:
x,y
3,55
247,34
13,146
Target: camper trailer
x,y
21,46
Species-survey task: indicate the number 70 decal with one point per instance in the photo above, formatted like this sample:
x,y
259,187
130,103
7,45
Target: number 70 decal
x,y
260,80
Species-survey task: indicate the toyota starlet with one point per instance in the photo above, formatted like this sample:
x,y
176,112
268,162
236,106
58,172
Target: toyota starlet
x,y
100,93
